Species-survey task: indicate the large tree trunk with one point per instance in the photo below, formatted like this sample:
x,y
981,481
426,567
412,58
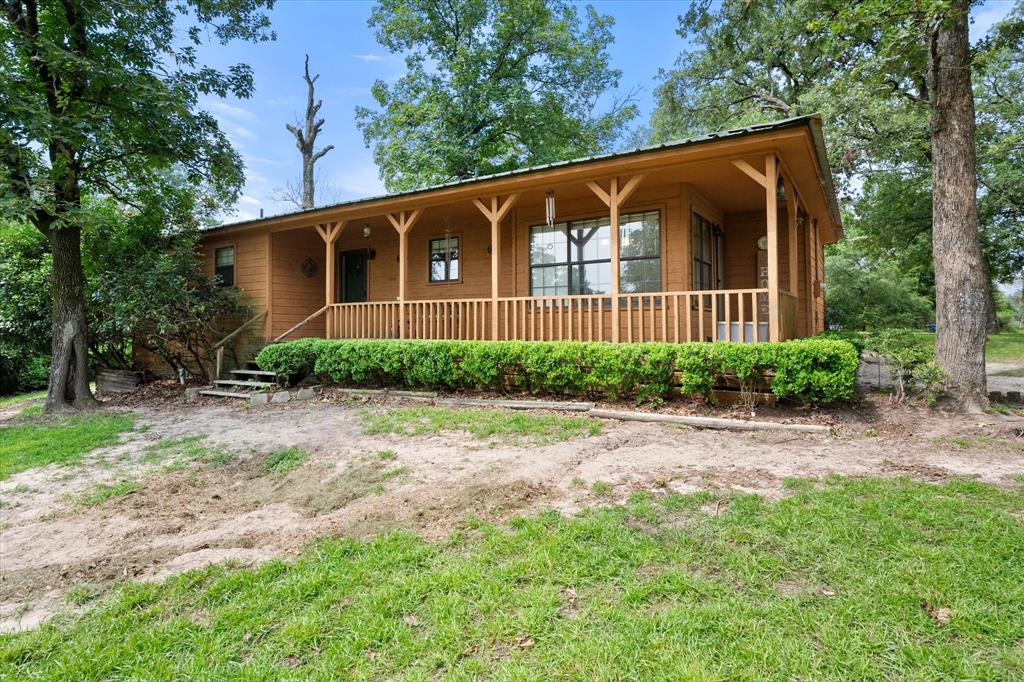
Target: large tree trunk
x,y
960,279
69,369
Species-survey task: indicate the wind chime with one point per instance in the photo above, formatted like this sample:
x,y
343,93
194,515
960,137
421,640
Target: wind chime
x,y
549,207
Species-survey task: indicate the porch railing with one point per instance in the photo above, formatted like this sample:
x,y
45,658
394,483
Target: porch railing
x,y
723,315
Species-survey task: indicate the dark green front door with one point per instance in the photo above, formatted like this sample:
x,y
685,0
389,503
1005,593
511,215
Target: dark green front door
x,y
353,276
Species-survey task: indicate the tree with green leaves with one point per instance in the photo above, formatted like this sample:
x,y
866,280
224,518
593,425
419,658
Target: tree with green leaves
x,y
143,283
862,293
889,78
490,85
102,98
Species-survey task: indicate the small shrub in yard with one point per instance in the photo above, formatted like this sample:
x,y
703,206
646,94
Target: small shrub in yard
x,y
910,361
808,370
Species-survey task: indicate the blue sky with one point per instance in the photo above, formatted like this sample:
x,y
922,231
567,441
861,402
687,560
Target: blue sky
x,y
343,51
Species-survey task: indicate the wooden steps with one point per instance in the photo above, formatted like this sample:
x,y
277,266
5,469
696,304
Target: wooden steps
x,y
243,384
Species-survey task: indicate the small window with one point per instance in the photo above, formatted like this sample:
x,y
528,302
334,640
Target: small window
x,y
225,266
444,259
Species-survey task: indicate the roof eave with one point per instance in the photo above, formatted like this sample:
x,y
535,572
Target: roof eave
x,y
710,138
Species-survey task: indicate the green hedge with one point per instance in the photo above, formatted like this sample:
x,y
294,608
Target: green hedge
x,y
808,370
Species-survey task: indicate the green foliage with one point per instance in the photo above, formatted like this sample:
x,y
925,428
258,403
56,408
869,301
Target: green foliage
x,y
824,584
144,283
856,339
862,294
120,111
910,360
25,267
65,441
489,86
812,370
284,461
294,358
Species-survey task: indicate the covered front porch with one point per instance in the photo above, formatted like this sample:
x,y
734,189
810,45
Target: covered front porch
x,y
721,247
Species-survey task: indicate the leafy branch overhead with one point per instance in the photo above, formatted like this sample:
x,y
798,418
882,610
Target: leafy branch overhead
x,y
305,139
490,86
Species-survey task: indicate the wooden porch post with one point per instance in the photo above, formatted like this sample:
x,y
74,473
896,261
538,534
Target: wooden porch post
x,y
403,222
329,232
495,213
771,171
791,211
614,198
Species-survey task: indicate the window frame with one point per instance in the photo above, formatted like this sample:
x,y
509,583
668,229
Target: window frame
x,y
571,265
714,244
457,237
234,265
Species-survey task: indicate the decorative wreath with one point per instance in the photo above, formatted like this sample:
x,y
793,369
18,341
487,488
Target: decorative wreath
x,y
309,267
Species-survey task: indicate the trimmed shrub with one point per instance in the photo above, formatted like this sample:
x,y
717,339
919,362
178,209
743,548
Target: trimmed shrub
x,y
807,370
858,339
292,358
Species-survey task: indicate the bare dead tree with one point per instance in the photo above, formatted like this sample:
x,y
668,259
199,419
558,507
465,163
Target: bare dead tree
x,y
305,138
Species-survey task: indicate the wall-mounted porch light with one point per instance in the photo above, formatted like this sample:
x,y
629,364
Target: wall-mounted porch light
x,y
366,230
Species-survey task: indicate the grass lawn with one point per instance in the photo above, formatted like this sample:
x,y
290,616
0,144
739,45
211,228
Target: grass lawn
x,y
1006,346
507,424
7,401
850,578
64,440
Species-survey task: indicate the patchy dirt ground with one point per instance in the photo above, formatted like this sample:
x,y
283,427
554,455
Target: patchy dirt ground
x,y
188,512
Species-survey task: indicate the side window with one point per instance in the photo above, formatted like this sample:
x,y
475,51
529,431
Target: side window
x,y
444,259
224,266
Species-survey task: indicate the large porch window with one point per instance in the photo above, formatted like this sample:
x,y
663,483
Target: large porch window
x,y
574,258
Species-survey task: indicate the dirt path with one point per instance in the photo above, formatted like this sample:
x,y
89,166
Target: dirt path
x,y
187,514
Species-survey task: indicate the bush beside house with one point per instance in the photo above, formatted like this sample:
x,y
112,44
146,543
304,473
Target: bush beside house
x,y
806,370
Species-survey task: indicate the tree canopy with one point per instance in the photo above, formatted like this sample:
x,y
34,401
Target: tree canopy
x,y
102,98
490,85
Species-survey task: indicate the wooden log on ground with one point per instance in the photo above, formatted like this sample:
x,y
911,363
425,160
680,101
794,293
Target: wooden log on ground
x,y
518,404
709,422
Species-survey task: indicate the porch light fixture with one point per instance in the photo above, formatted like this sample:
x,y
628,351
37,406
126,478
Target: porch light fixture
x,y
366,230
549,208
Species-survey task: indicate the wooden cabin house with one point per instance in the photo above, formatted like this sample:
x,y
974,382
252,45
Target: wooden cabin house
x,y
715,238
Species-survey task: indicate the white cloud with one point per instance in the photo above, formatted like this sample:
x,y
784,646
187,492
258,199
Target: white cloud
x,y
221,108
249,200
242,132
987,16
368,57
